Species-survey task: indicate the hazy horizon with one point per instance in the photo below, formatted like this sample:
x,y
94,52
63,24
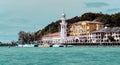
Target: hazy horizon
x,y
22,15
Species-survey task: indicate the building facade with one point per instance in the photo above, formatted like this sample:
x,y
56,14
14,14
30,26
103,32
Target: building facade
x,y
106,34
51,38
84,28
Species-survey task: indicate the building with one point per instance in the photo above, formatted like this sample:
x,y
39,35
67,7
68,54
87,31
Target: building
x,y
51,38
59,37
83,32
107,34
84,28
79,32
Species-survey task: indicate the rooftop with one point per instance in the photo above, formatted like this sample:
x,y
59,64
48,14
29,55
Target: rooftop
x,y
52,34
87,22
108,29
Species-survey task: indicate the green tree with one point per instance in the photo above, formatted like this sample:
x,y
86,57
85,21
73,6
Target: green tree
x,y
116,19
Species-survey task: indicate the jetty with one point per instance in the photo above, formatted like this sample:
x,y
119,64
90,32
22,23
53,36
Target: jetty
x,y
94,44
8,44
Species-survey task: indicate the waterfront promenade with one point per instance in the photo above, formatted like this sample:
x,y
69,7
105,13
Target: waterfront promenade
x,y
79,44
94,44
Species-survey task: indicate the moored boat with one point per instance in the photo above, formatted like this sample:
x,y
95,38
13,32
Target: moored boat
x,y
44,45
58,45
26,45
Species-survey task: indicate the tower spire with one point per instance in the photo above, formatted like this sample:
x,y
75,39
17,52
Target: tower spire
x,y
63,14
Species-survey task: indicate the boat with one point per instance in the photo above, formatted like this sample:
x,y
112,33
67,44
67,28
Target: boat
x,y
26,45
58,45
69,45
44,45
55,45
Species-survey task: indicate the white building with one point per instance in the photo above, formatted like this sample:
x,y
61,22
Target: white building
x,y
104,35
58,37
51,38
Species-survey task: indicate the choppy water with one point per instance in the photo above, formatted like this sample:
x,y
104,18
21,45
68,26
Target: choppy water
x,y
60,56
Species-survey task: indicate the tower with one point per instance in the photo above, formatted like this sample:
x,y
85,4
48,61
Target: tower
x,y
63,31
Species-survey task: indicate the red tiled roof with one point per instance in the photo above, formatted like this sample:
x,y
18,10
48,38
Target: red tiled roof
x,y
52,34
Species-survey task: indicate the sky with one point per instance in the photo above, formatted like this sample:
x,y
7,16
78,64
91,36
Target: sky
x,y
33,15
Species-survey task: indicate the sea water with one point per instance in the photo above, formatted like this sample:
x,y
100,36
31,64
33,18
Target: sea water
x,y
60,56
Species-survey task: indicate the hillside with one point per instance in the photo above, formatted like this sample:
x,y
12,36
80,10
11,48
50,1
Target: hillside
x,y
113,21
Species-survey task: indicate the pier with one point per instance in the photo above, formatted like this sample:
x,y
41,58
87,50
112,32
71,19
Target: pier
x,y
94,44
8,44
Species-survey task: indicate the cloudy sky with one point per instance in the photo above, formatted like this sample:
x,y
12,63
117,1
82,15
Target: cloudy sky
x,y
17,15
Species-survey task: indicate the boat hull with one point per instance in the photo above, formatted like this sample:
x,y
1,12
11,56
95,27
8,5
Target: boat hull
x,y
26,45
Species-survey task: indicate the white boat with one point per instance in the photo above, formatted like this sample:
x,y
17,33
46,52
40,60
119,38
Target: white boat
x,y
26,45
55,45
69,45
19,45
58,45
